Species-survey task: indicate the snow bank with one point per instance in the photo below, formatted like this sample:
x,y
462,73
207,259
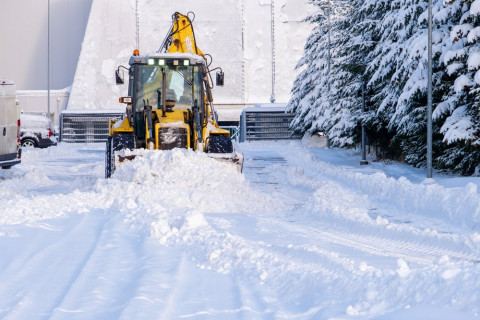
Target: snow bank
x,y
157,184
154,184
460,206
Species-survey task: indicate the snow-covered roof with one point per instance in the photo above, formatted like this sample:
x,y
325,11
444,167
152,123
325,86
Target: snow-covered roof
x,y
88,111
6,82
267,107
32,116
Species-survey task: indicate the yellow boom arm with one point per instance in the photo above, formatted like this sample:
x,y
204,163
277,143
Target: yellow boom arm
x,y
181,37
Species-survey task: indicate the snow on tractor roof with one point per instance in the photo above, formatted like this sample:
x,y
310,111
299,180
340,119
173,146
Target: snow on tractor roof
x,y
194,58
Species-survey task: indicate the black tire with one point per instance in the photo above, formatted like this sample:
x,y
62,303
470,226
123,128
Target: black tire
x,y
123,141
220,144
116,143
108,158
27,142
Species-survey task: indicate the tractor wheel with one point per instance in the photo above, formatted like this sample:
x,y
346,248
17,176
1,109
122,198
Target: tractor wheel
x,y
116,143
108,158
123,141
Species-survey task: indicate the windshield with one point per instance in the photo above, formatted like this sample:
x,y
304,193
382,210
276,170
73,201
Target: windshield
x,y
183,86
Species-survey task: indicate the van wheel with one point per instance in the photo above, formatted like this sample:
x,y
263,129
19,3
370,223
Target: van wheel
x,y
29,143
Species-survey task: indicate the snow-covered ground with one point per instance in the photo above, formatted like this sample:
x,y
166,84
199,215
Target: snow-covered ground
x,y
304,233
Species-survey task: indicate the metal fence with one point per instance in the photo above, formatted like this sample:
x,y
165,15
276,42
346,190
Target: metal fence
x,y
86,127
256,123
234,132
266,123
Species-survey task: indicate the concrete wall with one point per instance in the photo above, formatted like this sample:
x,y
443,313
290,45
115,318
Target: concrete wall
x,y
23,57
35,101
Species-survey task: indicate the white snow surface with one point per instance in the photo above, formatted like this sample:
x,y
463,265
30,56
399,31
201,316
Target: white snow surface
x,y
304,232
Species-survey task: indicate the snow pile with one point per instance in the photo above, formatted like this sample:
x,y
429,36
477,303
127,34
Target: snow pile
x,y
460,206
33,195
156,185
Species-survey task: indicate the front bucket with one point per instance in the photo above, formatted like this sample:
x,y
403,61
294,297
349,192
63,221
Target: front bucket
x,y
235,158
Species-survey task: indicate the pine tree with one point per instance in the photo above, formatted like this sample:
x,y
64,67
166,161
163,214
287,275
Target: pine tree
x,y
311,98
383,44
459,112
356,40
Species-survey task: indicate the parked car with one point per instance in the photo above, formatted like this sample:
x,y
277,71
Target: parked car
x,y
10,152
36,131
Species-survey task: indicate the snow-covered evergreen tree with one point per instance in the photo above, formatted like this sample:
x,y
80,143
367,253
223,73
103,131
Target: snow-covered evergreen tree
x,y
311,98
391,69
358,39
383,43
308,84
459,111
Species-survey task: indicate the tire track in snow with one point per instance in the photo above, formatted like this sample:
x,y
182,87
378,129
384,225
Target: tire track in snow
x,y
370,243
191,295
60,263
109,278
349,203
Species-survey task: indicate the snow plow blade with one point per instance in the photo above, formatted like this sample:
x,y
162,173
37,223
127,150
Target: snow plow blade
x,y
234,158
125,155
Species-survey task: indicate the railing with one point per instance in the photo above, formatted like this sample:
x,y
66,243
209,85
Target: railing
x,y
266,122
86,127
234,132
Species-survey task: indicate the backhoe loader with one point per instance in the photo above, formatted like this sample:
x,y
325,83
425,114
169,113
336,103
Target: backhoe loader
x,y
169,102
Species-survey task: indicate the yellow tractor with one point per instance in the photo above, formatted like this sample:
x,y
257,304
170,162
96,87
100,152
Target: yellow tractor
x,y
169,102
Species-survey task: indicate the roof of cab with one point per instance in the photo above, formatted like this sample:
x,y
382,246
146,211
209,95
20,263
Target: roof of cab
x,y
194,58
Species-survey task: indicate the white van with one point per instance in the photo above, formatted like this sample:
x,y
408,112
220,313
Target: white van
x,y
10,151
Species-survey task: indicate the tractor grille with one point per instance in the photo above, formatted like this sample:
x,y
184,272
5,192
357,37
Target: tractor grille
x,y
172,137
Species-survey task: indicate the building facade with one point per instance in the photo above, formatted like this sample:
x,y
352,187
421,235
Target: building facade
x,y
256,43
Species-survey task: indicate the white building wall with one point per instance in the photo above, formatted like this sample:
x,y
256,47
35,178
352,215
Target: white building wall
x,y
35,102
236,33
23,57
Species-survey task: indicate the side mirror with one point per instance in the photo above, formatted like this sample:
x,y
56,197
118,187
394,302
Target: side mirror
x,y
119,77
220,78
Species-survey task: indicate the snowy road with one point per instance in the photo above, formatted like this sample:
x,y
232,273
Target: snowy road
x,y
303,233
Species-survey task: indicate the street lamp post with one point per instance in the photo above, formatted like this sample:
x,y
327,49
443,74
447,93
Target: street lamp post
x,y
48,61
429,106
272,12
329,45
364,136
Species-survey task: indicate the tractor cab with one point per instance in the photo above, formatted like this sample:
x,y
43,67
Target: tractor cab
x,y
168,90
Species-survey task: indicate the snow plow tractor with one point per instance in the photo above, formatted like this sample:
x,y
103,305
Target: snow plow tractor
x,y
169,102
